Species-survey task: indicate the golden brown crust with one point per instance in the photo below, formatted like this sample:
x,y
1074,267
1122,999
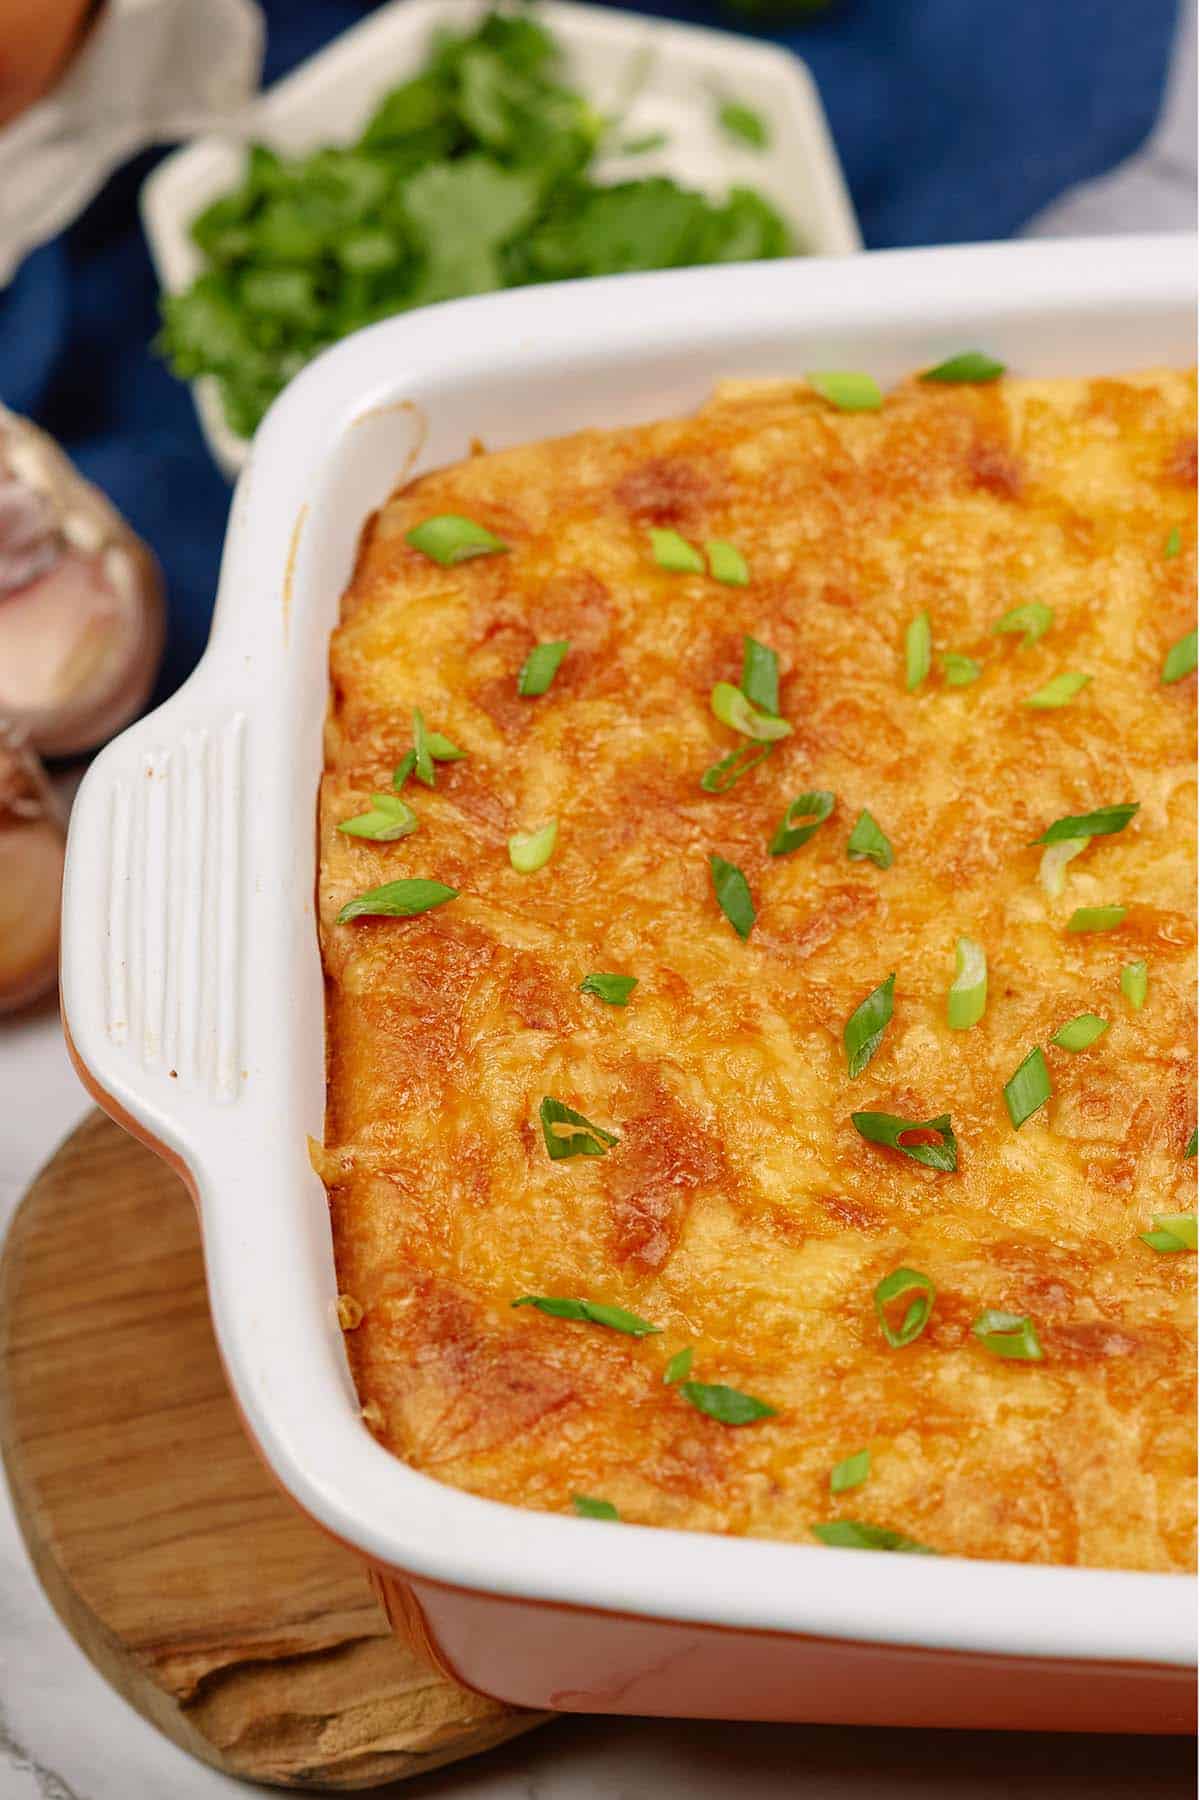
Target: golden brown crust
x,y
740,1209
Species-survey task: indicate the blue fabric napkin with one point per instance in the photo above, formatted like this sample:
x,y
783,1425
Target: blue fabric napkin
x,y
954,120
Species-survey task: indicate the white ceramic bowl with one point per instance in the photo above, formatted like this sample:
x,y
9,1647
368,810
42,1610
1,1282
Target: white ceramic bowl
x,y
678,68
192,988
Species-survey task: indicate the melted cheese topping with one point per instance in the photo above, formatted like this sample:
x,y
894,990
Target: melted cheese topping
x,y
740,1210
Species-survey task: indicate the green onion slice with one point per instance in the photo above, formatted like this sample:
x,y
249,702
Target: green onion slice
x,y
1031,621
929,1141
1173,1232
450,539
918,649
760,675
969,365
1058,691
422,754
738,121
966,997
847,389
959,670
1191,1144
590,1508
1096,918
679,1367
726,563
854,1534
1027,1088
1052,870
725,1404
915,1315
850,1473
539,668
1010,1335
650,140
675,553
733,895
867,842
532,852
404,769
1105,822
732,708
790,834
441,749
1180,659
1174,543
590,1312
721,777
1135,981
397,900
864,1029
590,1140
388,819
1078,1033
614,989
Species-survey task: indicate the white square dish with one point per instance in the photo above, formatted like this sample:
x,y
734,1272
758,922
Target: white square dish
x,y
679,70
193,995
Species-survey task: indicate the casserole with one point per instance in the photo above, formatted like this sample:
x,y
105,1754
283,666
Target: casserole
x,y
193,999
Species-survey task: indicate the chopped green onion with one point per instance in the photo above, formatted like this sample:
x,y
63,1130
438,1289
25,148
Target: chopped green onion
x,y
650,140
449,539
887,1129
850,1473
1096,918
441,749
959,670
969,365
675,553
789,835
722,775
615,989
738,121
1173,1232
918,643
966,997
1027,1088
1181,658
1010,1335
679,1367
868,843
731,706
1103,823
1058,691
539,668
589,1508
591,1140
864,1029
1135,981
896,1286
590,1312
422,754
854,1534
733,895
725,1404
1052,870
726,563
1032,621
404,769
1078,1033
528,854
760,675
388,819
397,900
847,389
1174,543
1191,1144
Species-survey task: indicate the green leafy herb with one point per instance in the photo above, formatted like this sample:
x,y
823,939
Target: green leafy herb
x,y
850,1473
959,670
1135,982
1180,658
1096,918
388,819
725,1404
530,852
721,777
847,389
913,1317
864,1029
1060,690
449,538
733,895
742,122
673,552
1105,822
789,833
539,668
969,365
1172,1233
589,1508
590,1312
928,1141
726,563
1027,1088
1009,1335
1174,543
589,1140
615,989
966,998
918,644
1031,621
867,842
397,900
853,1534
731,706
760,675
679,1367
1078,1033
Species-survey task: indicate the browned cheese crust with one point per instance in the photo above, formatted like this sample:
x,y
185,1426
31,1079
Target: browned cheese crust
x,y
740,1210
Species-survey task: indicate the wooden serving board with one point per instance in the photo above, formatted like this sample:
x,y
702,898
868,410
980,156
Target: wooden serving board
x,y
195,1587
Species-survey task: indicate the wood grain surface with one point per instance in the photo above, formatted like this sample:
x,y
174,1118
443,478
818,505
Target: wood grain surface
x,y
202,1595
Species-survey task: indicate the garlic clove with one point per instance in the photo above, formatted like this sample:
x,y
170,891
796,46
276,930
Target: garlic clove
x,y
32,848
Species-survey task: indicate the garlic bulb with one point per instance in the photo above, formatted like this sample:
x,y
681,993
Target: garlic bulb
x,y
32,845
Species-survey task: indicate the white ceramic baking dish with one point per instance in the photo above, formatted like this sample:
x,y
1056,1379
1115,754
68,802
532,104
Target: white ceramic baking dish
x,y
193,995
658,75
